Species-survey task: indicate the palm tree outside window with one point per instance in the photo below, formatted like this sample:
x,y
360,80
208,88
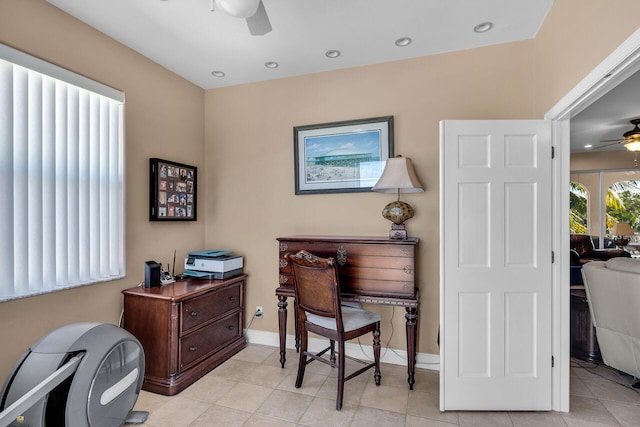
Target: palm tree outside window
x,y
623,205
600,199
578,208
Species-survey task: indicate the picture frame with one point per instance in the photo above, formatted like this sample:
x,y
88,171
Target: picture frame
x,y
172,191
341,157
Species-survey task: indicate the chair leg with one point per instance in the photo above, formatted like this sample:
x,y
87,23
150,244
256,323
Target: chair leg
x,y
333,351
376,353
302,362
341,362
296,323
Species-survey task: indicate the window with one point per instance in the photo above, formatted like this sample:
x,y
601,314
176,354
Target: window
x,y
62,178
609,196
623,204
578,208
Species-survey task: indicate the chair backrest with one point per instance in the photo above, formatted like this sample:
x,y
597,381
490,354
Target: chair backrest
x,y
317,290
581,243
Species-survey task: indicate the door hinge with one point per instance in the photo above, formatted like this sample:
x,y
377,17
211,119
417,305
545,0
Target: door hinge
x,y
553,152
553,362
553,257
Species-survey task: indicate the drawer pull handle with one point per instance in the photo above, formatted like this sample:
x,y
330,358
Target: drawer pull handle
x,y
231,327
194,314
232,298
193,348
341,255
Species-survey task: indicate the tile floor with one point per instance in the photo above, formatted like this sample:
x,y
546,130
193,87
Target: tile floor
x,y
252,389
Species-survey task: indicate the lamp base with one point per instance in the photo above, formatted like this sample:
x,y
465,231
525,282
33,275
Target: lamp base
x,y
621,241
398,232
397,212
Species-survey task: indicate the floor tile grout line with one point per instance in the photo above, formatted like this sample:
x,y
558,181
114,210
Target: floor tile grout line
x,y
612,416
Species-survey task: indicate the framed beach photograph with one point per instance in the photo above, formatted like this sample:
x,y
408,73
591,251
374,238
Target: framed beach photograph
x,y
172,191
341,157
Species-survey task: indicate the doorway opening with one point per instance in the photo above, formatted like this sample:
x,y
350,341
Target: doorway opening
x,y
615,69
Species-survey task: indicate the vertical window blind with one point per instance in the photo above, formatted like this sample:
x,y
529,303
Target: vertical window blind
x,y
62,178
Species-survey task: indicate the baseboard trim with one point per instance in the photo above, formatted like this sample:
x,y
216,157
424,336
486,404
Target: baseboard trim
x,y
387,355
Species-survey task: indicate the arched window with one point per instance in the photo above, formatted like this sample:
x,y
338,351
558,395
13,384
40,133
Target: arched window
x,y
623,204
578,207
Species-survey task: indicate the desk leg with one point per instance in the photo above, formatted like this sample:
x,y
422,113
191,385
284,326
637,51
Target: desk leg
x,y
282,328
412,320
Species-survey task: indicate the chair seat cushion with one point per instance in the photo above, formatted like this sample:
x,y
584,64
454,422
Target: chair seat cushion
x,y
352,318
351,304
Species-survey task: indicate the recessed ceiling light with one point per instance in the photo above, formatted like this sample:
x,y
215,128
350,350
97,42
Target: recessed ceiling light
x,y
403,41
588,146
271,64
332,53
217,73
483,28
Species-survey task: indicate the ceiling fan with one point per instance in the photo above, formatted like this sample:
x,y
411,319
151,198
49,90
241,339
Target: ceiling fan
x,y
251,10
631,140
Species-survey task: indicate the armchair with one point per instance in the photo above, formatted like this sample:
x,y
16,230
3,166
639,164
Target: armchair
x,y
613,293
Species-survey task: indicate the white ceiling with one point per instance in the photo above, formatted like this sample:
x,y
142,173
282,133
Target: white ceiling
x,y
607,118
187,38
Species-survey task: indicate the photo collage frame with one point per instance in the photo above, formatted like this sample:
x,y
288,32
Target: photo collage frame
x,y
173,191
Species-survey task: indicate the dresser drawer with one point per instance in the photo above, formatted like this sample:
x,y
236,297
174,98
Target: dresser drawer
x,y
200,343
201,309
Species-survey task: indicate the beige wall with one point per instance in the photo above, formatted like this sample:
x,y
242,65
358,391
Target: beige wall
x,y
249,128
591,30
163,117
241,138
249,133
604,160
574,38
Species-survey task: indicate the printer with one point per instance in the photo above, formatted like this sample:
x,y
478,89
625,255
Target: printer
x,y
212,264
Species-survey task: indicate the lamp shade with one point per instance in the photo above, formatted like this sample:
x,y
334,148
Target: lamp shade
x,y
622,229
398,176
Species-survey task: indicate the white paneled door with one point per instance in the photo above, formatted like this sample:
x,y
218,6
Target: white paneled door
x,y
496,282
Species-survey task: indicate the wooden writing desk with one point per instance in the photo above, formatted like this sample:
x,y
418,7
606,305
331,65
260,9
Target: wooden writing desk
x,y
371,270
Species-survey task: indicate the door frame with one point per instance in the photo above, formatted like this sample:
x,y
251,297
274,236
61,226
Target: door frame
x,y
615,68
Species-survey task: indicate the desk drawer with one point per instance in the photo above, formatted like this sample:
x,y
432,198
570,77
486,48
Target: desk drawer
x,y
200,343
363,269
209,306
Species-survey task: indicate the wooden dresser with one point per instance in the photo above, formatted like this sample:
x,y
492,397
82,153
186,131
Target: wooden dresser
x,y
186,329
371,270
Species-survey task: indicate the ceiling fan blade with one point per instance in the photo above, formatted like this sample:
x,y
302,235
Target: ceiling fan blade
x,y
617,141
612,140
258,23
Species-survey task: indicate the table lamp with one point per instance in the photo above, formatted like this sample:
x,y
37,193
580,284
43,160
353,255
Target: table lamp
x,y
620,231
398,176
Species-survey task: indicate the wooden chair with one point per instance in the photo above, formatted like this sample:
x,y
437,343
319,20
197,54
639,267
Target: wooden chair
x,y
320,311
